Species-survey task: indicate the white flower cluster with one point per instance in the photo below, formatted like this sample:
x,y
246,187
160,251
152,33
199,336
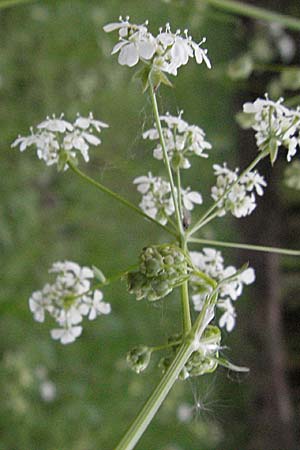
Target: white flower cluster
x,y
182,140
211,262
167,51
275,126
58,141
240,200
67,300
157,200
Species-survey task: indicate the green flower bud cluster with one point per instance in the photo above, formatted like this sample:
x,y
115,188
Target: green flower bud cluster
x,y
161,269
138,358
204,360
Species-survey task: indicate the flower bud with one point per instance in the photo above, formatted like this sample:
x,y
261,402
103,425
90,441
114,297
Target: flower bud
x,y
161,269
138,358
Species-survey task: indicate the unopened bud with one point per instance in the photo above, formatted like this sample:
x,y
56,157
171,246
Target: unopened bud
x,y
138,358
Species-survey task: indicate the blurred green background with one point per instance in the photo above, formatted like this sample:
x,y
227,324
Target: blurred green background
x,y
54,57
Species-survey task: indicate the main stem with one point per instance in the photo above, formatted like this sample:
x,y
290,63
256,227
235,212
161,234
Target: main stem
x,y
166,158
186,315
244,9
154,402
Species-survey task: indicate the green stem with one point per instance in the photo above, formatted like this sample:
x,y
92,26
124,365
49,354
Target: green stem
x,y
246,10
185,303
158,348
118,198
208,219
179,199
155,400
166,157
255,248
251,166
205,278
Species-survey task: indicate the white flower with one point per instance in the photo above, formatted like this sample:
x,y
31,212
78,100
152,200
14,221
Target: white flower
x,y
157,200
167,51
231,283
58,141
174,50
68,299
189,198
48,391
275,125
135,42
66,335
227,319
182,140
240,198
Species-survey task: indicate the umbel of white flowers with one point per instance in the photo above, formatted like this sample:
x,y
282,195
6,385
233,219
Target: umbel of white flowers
x,y
58,141
240,200
211,262
275,126
68,300
157,200
181,139
165,52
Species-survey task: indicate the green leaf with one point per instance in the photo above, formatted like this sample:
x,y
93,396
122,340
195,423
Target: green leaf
x,y
157,77
62,161
143,75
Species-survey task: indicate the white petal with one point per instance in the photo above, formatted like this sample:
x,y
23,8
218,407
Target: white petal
x,y
128,56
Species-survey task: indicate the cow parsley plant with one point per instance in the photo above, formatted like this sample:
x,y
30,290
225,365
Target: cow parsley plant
x,y
180,262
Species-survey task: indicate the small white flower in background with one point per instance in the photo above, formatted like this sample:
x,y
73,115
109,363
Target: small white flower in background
x,y
67,300
47,388
58,141
167,51
240,200
211,262
182,140
157,201
275,126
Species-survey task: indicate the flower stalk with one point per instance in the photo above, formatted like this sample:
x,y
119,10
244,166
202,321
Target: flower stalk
x,y
255,12
118,197
255,248
166,158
